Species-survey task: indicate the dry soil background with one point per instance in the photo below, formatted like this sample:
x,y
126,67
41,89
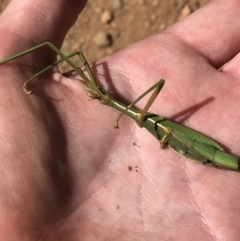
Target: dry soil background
x,y
106,26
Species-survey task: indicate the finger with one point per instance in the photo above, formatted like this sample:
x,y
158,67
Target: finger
x,y
232,68
29,22
212,30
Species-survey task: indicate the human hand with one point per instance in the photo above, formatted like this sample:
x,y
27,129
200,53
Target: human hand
x,y
65,168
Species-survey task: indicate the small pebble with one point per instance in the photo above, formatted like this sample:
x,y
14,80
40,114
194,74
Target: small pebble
x,y
185,12
103,39
106,17
117,4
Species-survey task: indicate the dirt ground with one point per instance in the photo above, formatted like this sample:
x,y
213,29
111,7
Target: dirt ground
x,y
105,27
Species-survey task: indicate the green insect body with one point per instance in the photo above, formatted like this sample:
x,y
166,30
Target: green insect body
x,y
191,144
187,142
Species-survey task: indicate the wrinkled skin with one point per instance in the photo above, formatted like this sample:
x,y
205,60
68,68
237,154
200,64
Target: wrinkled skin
x,y
65,171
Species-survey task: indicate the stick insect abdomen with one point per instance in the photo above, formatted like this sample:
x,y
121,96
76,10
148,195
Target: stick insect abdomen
x,y
156,125
191,145
213,155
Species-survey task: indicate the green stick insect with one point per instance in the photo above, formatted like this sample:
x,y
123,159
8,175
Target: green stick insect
x,y
185,141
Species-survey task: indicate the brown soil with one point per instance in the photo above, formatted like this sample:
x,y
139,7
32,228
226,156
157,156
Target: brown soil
x,y
105,27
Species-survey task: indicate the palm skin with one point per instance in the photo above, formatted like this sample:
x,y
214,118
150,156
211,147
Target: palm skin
x,y
65,170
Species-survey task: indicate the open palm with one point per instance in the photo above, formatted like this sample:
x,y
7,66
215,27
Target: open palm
x,y
67,174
